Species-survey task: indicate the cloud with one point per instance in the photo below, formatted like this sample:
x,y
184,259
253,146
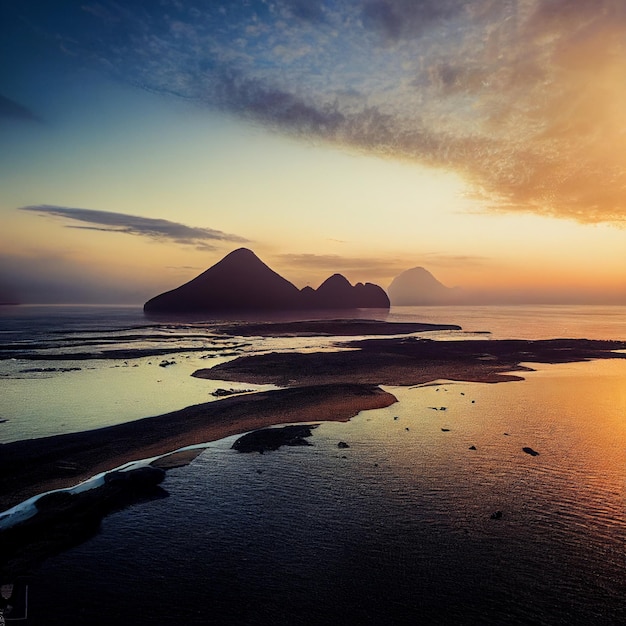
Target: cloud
x,y
438,259
307,268
321,265
153,228
12,110
396,19
525,100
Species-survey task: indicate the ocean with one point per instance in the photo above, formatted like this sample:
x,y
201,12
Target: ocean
x,y
395,529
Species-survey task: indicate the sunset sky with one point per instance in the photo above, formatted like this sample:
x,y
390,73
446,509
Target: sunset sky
x,y
485,140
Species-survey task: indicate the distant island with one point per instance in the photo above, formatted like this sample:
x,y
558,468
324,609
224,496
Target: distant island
x,y
418,286
242,282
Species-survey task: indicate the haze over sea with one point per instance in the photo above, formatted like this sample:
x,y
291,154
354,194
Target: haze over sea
x,y
398,524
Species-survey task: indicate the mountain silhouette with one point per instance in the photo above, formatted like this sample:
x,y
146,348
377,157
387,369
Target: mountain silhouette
x,y
417,286
242,282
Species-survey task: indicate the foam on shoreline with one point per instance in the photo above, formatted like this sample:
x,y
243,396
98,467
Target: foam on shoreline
x,y
32,467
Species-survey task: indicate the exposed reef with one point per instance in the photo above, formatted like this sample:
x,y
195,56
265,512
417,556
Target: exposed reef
x,y
410,361
273,438
336,327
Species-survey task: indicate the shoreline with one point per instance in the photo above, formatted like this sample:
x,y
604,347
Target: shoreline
x,y
324,386
34,466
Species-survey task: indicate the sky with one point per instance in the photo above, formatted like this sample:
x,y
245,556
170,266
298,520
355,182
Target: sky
x,y
485,140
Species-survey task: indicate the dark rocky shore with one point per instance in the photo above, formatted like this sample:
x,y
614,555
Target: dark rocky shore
x,y
268,439
410,361
337,327
66,519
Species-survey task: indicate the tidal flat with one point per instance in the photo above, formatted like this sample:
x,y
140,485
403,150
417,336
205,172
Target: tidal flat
x,y
410,445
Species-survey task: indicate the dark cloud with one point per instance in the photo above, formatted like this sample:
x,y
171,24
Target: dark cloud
x,y
153,228
308,10
13,110
252,98
394,19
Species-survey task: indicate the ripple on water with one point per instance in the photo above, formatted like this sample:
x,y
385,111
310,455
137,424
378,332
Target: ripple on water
x,y
398,522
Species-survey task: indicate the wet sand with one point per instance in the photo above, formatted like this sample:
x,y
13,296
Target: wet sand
x,y
30,467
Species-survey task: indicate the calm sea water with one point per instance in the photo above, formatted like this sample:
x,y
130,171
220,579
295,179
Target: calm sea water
x,y
44,390
395,529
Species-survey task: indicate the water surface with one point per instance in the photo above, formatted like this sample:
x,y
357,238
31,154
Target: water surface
x,y
398,523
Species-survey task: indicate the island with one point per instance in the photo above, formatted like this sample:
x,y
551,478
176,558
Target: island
x,y
242,282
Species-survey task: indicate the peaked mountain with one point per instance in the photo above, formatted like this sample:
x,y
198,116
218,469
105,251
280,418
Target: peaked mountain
x,y
242,282
418,286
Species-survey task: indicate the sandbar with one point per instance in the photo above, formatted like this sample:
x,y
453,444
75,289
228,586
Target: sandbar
x,y
33,466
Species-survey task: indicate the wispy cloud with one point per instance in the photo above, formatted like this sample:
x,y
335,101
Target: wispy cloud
x,y
13,110
364,268
153,228
439,259
523,99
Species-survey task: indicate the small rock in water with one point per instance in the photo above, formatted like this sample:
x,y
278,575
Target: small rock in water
x,y
472,447
222,393
496,515
343,445
530,451
445,430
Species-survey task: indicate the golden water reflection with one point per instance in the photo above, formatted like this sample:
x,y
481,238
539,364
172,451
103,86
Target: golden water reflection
x,y
573,415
